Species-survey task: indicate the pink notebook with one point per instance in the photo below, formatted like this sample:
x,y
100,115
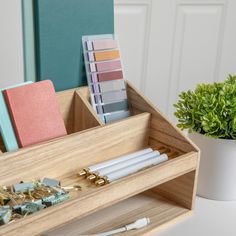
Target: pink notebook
x,y
35,113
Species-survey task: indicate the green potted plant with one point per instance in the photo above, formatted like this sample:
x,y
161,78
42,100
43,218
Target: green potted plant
x,y
209,114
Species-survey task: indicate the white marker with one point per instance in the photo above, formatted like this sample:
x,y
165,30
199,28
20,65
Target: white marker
x,y
119,166
101,165
131,169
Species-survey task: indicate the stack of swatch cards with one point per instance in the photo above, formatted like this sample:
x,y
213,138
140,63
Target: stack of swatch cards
x,y
105,77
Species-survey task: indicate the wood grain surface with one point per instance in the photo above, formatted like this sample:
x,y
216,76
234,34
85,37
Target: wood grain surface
x,y
164,193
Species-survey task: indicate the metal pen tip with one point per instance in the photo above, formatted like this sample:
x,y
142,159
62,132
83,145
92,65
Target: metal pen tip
x,y
100,182
83,172
91,177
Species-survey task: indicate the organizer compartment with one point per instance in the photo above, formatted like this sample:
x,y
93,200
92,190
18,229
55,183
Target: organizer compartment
x,y
76,112
162,130
160,210
172,184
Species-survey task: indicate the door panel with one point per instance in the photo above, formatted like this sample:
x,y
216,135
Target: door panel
x,y
11,43
196,46
189,42
132,24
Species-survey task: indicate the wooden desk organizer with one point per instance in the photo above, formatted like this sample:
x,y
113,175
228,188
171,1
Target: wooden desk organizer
x,y
163,193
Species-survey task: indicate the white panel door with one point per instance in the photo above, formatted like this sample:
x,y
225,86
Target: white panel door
x,y
11,43
197,45
171,45
132,25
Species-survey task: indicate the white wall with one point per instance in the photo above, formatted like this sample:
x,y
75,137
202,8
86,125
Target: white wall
x,y
167,45
11,44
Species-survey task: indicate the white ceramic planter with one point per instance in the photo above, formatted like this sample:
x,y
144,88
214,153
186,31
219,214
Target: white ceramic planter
x,y
217,173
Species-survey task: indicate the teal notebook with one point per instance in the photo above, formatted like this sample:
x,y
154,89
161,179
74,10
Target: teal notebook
x,y
59,27
6,128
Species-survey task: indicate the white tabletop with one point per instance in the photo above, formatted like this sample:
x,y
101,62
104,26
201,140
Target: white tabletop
x,y
216,218
210,218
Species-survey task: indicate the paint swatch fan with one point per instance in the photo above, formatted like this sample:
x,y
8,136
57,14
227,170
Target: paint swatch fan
x,y
105,77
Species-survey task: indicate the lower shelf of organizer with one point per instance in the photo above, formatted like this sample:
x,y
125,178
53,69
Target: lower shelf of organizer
x,y
61,159
160,210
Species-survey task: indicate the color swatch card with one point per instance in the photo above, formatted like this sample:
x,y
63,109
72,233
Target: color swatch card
x,y
6,128
105,77
35,113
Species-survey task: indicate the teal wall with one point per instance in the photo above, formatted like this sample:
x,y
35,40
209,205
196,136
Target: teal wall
x,y
52,37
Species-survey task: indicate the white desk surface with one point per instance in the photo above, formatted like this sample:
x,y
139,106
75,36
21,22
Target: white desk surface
x,y
210,218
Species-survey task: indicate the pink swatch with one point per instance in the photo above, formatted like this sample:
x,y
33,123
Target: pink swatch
x,y
110,76
109,65
104,44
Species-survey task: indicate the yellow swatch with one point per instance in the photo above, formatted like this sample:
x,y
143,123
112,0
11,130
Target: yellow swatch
x,y
106,55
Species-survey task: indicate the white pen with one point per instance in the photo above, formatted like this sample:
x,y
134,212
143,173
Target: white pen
x,y
131,169
101,165
104,171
